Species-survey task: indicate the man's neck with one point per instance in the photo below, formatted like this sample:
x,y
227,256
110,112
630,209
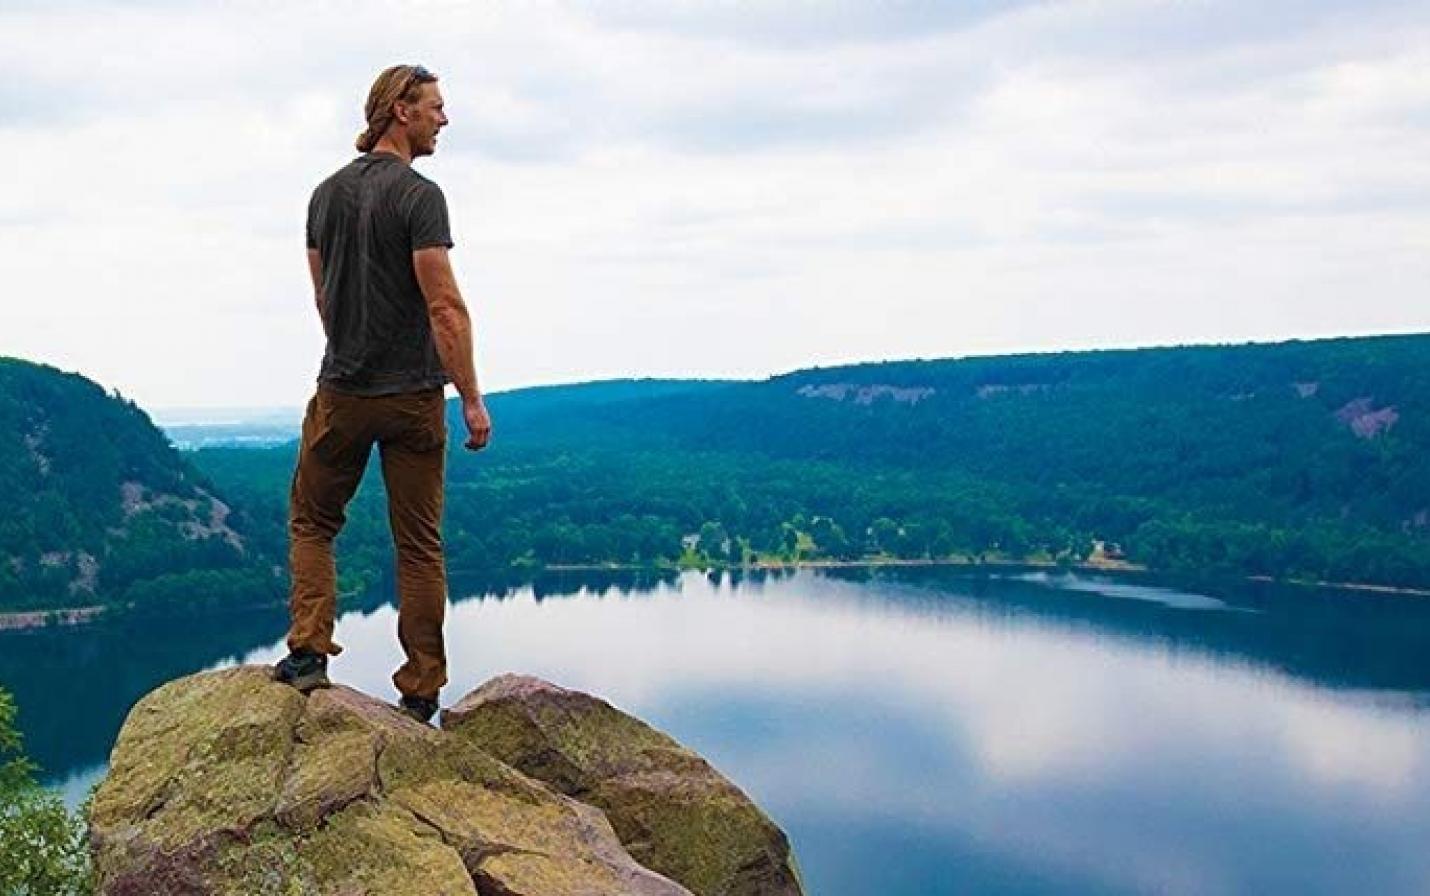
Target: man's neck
x,y
399,149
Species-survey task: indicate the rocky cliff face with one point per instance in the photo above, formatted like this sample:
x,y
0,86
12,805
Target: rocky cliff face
x,y
97,500
227,783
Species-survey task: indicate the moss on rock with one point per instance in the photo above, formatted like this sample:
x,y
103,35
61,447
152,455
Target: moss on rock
x,y
228,783
671,809
204,753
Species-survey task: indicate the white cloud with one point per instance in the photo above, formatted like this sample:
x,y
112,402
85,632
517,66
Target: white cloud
x,y
652,193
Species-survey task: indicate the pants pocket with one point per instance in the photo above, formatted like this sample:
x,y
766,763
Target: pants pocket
x,y
326,439
427,422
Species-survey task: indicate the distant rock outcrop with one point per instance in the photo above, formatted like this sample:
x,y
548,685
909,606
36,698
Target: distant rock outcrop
x,y
867,394
1365,419
228,783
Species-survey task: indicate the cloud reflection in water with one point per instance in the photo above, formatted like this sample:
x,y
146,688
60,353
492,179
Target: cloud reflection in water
x,y
1049,751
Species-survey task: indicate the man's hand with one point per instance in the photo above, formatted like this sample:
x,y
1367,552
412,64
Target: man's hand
x,y
479,424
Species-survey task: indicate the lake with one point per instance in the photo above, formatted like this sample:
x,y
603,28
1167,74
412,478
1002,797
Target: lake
x,y
922,731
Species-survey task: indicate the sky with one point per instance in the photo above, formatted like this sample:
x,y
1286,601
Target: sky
x,y
723,189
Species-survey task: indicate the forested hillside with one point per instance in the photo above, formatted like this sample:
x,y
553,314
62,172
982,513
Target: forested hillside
x,y
1305,456
99,507
1296,431
1304,460
1298,460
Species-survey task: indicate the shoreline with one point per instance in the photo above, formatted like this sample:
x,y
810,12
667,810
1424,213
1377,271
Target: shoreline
x,y
1402,590
1106,566
62,616
23,620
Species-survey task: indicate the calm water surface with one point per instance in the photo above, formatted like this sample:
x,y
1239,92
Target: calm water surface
x,y
921,731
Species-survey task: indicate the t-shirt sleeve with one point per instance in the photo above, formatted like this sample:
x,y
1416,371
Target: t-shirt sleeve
x,y
427,221
312,227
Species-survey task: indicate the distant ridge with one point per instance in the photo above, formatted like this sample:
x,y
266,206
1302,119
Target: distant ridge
x,y
1306,458
1338,427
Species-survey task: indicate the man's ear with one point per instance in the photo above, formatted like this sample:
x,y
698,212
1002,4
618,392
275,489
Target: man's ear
x,y
400,112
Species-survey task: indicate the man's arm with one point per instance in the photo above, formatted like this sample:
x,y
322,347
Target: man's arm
x,y
315,269
452,331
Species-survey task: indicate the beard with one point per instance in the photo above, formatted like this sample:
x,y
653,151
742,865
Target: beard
x,y
422,144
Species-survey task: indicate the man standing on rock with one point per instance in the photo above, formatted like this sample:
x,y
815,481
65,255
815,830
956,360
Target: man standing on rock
x,y
397,331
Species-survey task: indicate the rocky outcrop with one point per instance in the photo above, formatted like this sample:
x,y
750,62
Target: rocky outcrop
x,y
675,813
1365,419
867,395
228,783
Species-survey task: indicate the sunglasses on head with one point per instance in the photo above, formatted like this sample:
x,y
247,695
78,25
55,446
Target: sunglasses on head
x,y
418,74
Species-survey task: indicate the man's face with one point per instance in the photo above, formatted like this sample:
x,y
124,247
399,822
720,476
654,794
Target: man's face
x,y
424,119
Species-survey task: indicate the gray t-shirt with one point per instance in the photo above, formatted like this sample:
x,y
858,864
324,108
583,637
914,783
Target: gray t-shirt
x,y
366,220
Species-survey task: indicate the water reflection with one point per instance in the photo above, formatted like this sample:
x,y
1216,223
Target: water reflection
x,y
1105,587
74,686
920,731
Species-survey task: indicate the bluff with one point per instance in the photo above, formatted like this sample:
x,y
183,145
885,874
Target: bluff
x,y
99,507
228,783
1283,433
1303,459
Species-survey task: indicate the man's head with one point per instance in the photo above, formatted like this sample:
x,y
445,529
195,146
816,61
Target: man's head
x,y
404,108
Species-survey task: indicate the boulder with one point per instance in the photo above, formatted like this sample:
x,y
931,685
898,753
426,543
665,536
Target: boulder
x,y
229,783
674,813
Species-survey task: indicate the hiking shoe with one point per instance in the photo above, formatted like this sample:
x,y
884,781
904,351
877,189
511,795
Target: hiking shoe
x,y
303,670
419,708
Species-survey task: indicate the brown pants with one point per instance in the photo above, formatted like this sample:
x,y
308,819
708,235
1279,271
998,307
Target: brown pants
x,y
338,434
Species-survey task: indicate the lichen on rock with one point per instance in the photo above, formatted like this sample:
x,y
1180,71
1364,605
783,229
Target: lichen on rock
x,y
671,809
229,783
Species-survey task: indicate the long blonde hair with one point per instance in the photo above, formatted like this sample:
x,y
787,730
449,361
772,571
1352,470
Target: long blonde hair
x,y
396,84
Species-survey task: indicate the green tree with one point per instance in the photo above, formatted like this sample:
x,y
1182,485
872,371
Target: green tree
x,y
714,540
884,533
829,538
42,845
791,540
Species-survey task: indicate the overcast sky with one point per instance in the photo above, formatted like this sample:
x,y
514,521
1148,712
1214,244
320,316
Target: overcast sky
x,y
728,189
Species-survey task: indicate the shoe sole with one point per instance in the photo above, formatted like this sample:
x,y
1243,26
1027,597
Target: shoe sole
x,y
417,717
309,681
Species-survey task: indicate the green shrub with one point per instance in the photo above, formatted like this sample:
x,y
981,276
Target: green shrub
x,y
43,848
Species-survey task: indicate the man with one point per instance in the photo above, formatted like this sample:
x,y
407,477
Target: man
x,y
397,331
